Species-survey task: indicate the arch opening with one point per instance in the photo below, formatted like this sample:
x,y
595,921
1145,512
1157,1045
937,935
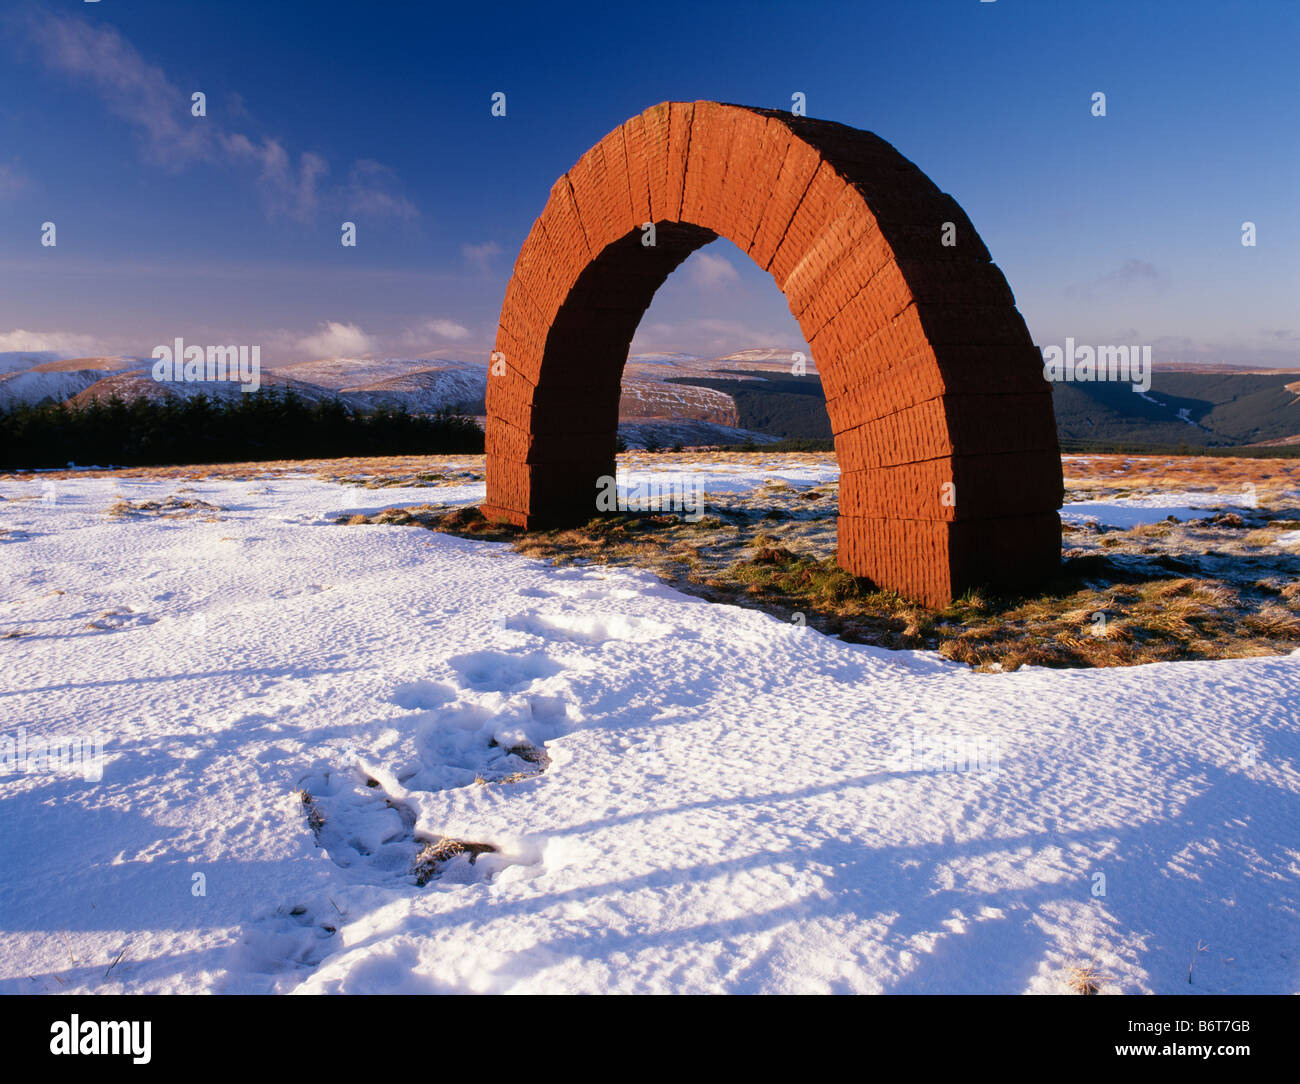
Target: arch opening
x,y
716,324
943,424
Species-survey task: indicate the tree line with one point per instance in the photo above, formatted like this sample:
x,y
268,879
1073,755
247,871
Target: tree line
x,y
265,425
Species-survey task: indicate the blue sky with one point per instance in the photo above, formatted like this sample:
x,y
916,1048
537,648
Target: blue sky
x,y
225,229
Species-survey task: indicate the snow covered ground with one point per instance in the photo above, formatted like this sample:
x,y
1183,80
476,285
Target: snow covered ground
x,y
736,476
1127,512
730,804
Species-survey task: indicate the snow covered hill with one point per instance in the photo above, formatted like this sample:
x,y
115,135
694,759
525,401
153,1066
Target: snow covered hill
x,y
17,361
35,387
677,795
424,390
425,385
680,402
652,409
37,378
418,386
140,384
339,373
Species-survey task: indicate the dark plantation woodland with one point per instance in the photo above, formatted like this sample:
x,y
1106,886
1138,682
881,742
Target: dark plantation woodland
x,y
267,424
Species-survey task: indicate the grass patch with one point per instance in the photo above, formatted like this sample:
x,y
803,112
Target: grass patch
x,y
171,507
1086,979
437,853
406,479
1161,592
312,810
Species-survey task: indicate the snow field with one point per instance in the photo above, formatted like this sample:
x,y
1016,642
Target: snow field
x,y
722,802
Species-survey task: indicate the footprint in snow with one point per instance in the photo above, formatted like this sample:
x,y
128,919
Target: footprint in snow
x,y
292,939
358,825
120,618
583,588
369,827
495,671
422,695
373,836
589,628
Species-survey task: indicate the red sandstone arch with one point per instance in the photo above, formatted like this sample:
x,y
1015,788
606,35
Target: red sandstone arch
x,y
943,423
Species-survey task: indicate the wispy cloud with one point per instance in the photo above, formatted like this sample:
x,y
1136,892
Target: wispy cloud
x,y
141,94
1131,275
707,337
65,343
286,189
711,272
370,191
446,329
428,337
342,339
131,88
480,257
1244,350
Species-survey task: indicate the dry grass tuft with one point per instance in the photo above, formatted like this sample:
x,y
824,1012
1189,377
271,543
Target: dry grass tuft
x,y
1264,537
434,854
1086,979
315,817
170,507
1275,622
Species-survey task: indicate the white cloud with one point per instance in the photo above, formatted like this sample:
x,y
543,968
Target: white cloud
x,y
136,91
68,343
335,340
141,94
428,336
712,272
448,329
705,337
369,192
480,257
285,189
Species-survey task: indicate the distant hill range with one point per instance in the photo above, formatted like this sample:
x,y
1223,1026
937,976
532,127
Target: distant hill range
x,y
747,396
1198,406
422,386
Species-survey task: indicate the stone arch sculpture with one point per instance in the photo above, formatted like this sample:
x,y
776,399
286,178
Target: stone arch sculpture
x,y
943,423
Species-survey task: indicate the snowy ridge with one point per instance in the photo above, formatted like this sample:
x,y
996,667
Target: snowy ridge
x,y
427,390
37,387
341,373
37,378
652,409
679,402
20,360
140,384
